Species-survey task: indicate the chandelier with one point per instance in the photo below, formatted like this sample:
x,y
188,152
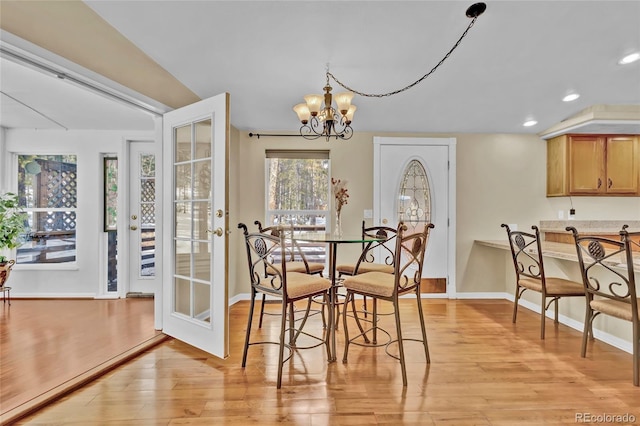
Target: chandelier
x,y
327,121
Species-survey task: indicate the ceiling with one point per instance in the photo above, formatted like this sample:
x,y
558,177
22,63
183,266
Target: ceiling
x,y
517,62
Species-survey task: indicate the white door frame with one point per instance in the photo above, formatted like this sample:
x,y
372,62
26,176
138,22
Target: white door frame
x,y
123,219
450,143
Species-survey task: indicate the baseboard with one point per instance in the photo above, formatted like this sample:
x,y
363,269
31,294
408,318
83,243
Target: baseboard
x,y
52,296
482,295
612,340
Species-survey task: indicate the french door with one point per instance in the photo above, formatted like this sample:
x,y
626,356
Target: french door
x,y
195,270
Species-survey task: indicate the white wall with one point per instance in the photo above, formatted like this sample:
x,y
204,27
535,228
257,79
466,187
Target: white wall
x,y
85,279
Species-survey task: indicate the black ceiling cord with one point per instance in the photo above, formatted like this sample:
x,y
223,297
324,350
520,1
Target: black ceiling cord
x,y
472,12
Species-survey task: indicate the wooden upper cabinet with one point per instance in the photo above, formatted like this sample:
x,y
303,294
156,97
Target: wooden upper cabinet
x,y
557,158
586,164
593,165
622,174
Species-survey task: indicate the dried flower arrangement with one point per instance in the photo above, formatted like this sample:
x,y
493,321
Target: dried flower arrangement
x,y
340,193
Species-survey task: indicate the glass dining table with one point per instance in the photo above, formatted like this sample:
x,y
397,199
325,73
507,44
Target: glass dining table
x,y
333,240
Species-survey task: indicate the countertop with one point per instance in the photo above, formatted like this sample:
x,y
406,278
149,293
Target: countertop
x,y
559,251
592,227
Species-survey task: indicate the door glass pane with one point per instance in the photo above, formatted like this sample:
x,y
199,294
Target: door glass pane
x,y
112,261
203,139
414,196
183,220
192,209
183,181
147,211
202,181
182,145
182,297
183,258
201,220
202,295
202,261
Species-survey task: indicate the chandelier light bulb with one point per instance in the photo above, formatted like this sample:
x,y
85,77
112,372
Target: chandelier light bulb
x,y
349,114
303,113
343,100
314,103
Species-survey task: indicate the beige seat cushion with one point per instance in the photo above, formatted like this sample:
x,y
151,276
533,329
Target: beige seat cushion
x,y
348,269
297,266
614,308
374,283
555,286
301,284
314,268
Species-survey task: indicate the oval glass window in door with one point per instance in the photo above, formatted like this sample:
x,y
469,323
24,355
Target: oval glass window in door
x,y
414,197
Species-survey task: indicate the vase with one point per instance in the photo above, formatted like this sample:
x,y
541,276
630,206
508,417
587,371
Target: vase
x,y
337,230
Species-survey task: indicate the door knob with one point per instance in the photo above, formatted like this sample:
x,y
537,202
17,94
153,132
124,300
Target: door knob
x,y
385,221
134,217
133,227
219,213
218,231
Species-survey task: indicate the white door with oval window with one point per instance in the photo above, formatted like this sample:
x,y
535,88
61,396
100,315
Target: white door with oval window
x,y
195,159
414,182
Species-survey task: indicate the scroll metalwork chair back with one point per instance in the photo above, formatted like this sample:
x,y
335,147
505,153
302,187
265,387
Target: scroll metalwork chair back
x,y
294,256
526,252
297,261
375,255
406,278
608,277
265,250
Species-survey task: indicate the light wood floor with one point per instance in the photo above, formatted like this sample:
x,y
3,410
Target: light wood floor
x,y
484,371
47,346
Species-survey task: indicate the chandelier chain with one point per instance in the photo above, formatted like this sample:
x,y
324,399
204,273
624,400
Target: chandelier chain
x,y
395,92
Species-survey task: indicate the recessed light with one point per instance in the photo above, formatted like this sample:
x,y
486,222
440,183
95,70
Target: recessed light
x,y
629,58
571,97
530,123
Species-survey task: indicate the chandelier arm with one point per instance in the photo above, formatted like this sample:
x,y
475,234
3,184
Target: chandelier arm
x,y
395,92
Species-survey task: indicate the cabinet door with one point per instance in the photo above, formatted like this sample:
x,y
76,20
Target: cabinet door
x,y
587,165
557,166
622,168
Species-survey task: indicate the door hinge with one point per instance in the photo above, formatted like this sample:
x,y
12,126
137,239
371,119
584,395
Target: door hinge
x,y
448,222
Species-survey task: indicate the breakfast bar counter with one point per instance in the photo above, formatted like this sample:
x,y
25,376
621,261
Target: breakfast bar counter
x,y
560,244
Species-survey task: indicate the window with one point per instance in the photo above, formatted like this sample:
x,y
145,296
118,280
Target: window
x,y
48,188
415,196
298,192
